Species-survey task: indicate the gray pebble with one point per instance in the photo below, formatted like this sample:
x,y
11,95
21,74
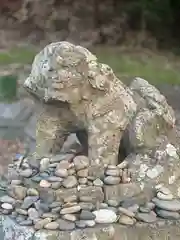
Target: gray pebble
x,y
56,185
173,205
86,215
36,179
55,204
63,173
29,201
70,217
44,164
82,181
70,182
26,173
33,214
80,224
66,225
68,210
7,199
53,216
168,214
146,217
98,183
27,222
16,182
87,206
103,205
110,180
113,203
81,162
22,211
20,218
82,173
52,226
144,209
113,172
55,179
90,223
56,210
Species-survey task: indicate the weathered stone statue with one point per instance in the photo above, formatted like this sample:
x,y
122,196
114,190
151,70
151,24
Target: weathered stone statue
x,y
68,192
78,92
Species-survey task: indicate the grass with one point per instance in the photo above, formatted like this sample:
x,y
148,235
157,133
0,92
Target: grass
x,y
22,55
127,63
153,67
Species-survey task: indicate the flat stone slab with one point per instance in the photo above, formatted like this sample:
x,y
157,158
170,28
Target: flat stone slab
x,y
9,230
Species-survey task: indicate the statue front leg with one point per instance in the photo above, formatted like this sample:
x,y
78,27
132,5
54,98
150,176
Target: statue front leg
x,y
51,131
103,141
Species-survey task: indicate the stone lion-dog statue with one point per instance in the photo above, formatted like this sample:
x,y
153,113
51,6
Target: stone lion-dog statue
x,y
75,91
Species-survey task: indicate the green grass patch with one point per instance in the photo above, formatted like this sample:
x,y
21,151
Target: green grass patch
x,y
22,55
157,68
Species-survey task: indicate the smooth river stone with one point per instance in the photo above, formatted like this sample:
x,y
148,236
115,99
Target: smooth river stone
x,y
7,206
126,212
27,222
113,172
163,196
7,199
54,179
126,220
173,205
110,180
70,217
32,192
98,183
66,225
168,214
33,214
44,184
90,223
69,210
81,162
52,226
63,173
44,164
70,182
86,215
19,192
41,223
146,217
28,201
26,173
105,216
164,190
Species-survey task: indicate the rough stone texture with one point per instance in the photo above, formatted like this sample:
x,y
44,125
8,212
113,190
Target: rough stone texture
x,y
121,192
91,194
63,194
154,169
154,116
10,231
89,96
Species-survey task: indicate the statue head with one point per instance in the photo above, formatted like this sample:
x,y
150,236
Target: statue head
x,y
63,71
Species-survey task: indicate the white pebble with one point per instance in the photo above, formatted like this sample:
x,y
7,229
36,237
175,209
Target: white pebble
x,y
105,216
162,196
7,206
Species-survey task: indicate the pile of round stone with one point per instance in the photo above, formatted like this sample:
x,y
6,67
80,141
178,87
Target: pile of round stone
x,y
61,192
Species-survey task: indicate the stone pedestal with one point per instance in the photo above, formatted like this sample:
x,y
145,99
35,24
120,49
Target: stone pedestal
x,y
9,230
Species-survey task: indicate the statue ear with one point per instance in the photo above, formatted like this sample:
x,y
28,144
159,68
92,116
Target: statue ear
x,y
100,76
